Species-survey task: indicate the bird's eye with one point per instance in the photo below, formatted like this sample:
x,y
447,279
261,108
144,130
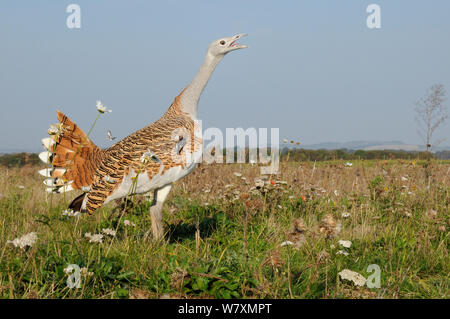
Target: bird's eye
x,y
222,42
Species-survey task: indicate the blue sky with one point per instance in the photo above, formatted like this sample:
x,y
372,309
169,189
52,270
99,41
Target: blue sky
x,y
312,68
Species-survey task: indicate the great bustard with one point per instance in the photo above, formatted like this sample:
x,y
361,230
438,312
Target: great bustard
x,y
149,159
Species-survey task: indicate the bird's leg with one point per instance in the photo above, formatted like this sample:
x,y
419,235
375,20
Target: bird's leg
x,y
156,211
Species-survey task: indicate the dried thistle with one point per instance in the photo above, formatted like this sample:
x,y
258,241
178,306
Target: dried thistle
x,y
244,196
329,226
255,204
274,260
432,214
139,294
296,236
299,226
177,278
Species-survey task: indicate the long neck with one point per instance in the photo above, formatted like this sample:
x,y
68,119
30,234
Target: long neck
x,y
191,94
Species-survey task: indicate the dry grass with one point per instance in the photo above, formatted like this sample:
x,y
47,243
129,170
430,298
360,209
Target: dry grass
x,y
224,235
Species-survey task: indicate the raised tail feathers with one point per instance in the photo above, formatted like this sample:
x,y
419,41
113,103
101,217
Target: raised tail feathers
x,y
71,157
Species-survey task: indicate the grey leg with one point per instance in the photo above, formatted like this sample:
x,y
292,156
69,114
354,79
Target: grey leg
x,y
156,211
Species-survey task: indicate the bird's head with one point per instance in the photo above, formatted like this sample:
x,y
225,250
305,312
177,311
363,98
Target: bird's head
x,y
222,46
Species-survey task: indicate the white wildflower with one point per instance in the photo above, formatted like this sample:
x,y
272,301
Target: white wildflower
x,y
237,174
109,231
55,129
148,156
52,130
126,222
349,164
70,213
404,178
356,278
286,243
101,108
342,252
84,271
96,238
345,215
259,183
345,243
25,240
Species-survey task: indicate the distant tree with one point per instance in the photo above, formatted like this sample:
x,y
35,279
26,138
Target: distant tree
x,y
430,114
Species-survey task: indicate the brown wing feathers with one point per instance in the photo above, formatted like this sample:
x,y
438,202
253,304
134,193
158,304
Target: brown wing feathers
x,y
74,158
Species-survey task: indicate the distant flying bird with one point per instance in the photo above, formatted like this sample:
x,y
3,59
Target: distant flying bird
x,y
110,137
105,175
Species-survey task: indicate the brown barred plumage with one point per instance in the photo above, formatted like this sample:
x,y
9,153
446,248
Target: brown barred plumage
x,y
126,155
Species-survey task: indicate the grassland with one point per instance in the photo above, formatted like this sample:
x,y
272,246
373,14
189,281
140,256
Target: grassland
x,y
224,235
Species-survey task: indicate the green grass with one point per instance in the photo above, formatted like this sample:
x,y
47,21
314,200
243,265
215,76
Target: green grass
x,y
231,248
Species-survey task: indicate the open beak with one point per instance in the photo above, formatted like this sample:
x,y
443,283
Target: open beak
x,y
235,45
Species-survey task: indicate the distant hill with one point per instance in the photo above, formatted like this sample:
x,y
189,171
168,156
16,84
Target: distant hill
x,y
370,146
395,147
351,146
